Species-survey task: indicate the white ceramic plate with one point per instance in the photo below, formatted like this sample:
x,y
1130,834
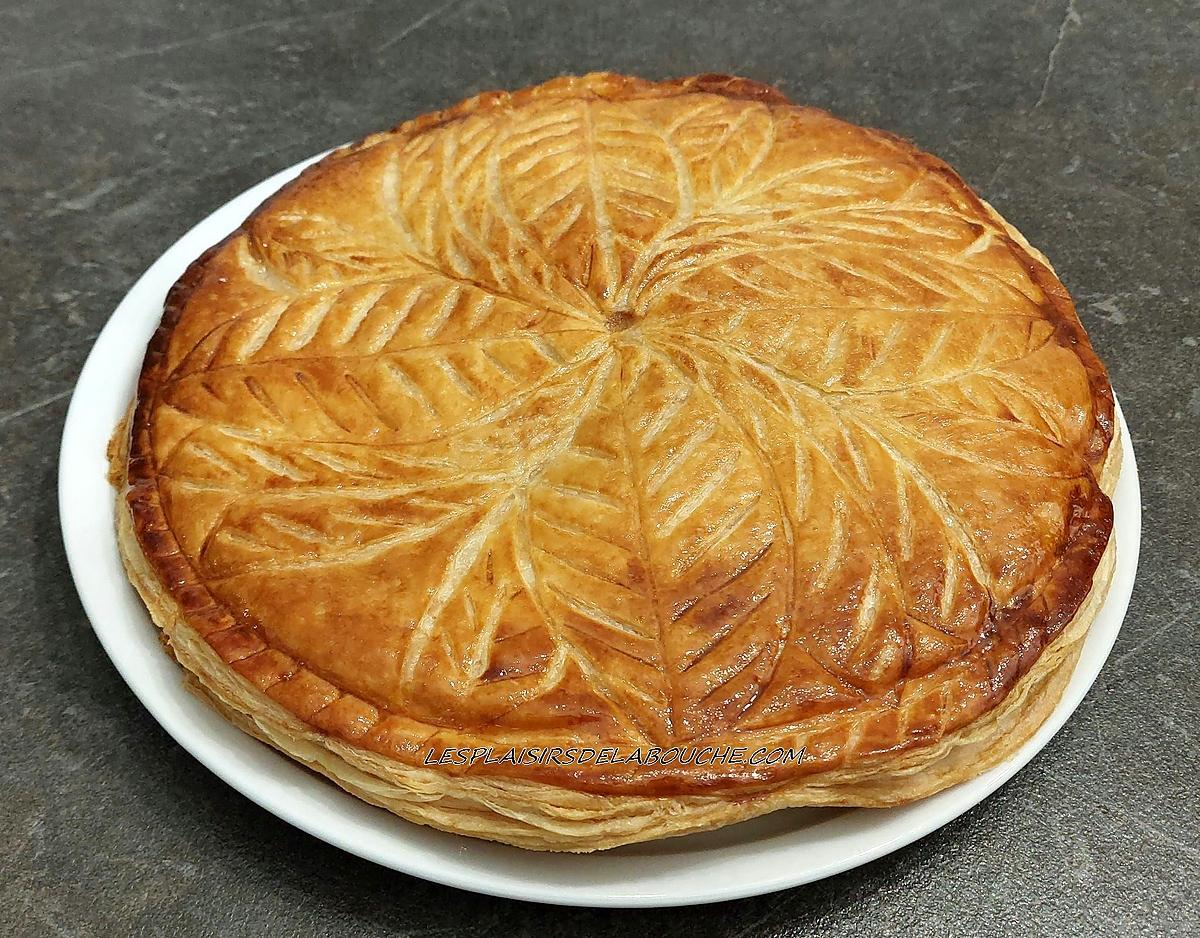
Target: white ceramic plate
x,y
774,852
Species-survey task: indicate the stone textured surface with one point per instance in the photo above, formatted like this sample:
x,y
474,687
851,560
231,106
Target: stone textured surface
x,y
123,123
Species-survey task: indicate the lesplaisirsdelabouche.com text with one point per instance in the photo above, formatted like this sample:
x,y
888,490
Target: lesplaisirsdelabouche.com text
x,y
586,755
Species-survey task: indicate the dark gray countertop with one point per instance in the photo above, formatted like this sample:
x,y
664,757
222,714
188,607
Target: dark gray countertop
x,y
124,123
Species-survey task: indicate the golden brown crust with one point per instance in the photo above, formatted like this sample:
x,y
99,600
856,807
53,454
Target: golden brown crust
x,y
907,687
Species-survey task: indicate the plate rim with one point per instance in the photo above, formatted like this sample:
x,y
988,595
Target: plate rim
x,y
87,548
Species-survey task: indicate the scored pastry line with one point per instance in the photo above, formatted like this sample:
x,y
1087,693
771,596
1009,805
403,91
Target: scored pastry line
x,y
736,517
1040,404
499,200
583,567
949,587
768,473
838,539
472,546
842,397
412,534
685,213
603,687
694,657
604,237
369,403
733,674
734,190
420,256
951,521
628,385
262,273
584,357
668,274
905,513
865,418
537,340
661,472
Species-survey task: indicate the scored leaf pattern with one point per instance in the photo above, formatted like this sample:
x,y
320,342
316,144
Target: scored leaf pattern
x,y
678,414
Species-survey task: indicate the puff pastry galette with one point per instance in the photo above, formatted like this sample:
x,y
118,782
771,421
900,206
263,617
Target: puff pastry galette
x,y
629,418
